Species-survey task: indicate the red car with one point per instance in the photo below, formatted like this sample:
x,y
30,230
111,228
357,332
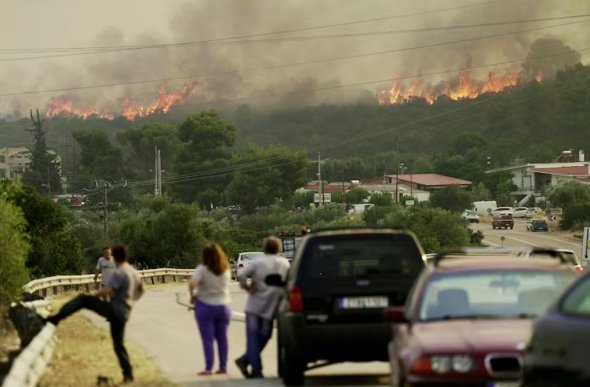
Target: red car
x,y
469,315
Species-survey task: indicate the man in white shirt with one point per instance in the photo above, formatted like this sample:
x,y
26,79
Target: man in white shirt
x,y
262,304
105,266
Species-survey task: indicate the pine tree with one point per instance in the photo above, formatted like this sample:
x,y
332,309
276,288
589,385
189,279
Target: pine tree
x,y
43,172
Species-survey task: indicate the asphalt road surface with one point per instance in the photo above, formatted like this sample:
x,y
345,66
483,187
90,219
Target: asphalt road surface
x,y
519,236
168,332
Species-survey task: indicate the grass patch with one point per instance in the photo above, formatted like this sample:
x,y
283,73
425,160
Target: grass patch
x,y
85,351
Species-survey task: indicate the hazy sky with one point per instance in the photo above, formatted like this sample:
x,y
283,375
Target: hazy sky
x,y
35,34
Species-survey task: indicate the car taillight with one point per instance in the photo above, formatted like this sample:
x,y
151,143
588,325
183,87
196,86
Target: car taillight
x,y
579,269
295,299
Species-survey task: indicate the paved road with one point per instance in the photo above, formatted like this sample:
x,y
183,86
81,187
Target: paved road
x,y
519,236
168,332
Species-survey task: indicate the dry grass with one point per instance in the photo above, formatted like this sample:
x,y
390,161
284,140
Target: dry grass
x,y
84,351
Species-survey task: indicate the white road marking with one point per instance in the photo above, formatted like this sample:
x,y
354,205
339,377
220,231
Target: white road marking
x,y
490,243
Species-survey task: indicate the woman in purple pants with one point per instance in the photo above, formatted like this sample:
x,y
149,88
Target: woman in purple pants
x,y
209,288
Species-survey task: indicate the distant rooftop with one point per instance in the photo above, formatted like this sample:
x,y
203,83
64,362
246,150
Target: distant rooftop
x,y
430,179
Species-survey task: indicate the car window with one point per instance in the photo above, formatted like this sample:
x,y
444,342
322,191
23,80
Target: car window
x,y
497,294
361,257
251,256
578,301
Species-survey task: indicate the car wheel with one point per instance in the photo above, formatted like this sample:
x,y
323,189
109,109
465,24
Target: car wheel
x,y
511,227
291,366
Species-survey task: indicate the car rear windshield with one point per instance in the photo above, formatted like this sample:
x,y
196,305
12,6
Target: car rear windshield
x,y
361,256
492,294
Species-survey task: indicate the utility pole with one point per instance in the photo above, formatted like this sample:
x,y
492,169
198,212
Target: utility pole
x,y
397,173
159,173
321,202
156,185
105,185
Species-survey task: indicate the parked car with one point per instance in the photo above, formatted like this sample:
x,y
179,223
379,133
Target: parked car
x,y
557,351
243,260
520,212
339,284
471,216
468,317
503,221
503,211
533,211
537,225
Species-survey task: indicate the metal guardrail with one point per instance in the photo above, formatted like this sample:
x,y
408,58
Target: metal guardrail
x,y
29,366
61,283
31,363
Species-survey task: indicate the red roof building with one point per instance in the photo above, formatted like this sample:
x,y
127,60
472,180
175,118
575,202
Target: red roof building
x,y
426,181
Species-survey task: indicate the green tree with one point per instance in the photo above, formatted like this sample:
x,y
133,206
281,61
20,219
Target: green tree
x,y
43,172
15,247
452,198
54,250
99,159
435,228
269,174
569,193
139,143
168,235
206,140
356,195
381,199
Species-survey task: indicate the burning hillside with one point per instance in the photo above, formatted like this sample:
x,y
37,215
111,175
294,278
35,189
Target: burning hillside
x,y
464,87
131,109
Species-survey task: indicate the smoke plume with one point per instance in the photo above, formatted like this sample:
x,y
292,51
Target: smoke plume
x,y
294,69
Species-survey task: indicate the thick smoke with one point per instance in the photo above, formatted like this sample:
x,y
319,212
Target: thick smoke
x,y
234,71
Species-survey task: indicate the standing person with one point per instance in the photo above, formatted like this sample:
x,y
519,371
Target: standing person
x,y
113,301
209,287
262,304
105,266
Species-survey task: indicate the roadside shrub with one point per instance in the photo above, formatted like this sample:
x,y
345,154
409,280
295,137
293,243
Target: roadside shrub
x,y
576,215
15,247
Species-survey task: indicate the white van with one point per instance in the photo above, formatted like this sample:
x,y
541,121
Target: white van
x,y
484,207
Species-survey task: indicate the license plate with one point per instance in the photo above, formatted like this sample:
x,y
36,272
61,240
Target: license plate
x,y
504,384
363,302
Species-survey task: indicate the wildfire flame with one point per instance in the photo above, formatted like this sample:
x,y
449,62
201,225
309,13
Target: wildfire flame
x,y
130,109
465,87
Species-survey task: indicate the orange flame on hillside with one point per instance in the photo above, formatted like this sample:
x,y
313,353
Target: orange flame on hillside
x,y
465,87
130,109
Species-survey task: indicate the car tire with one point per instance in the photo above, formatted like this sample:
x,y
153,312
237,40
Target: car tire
x,y
511,227
291,366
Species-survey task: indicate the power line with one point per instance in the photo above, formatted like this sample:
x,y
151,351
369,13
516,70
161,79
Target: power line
x,y
286,31
89,50
281,40
283,65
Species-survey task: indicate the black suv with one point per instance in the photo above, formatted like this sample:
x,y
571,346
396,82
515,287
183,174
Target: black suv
x,y
338,286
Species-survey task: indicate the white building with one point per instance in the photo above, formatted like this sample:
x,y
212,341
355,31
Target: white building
x,y
535,179
14,162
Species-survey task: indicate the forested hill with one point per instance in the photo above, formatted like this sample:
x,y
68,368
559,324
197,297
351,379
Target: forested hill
x,y
553,115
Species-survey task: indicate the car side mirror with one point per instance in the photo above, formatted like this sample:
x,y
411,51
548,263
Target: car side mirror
x,y
395,315
274,280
